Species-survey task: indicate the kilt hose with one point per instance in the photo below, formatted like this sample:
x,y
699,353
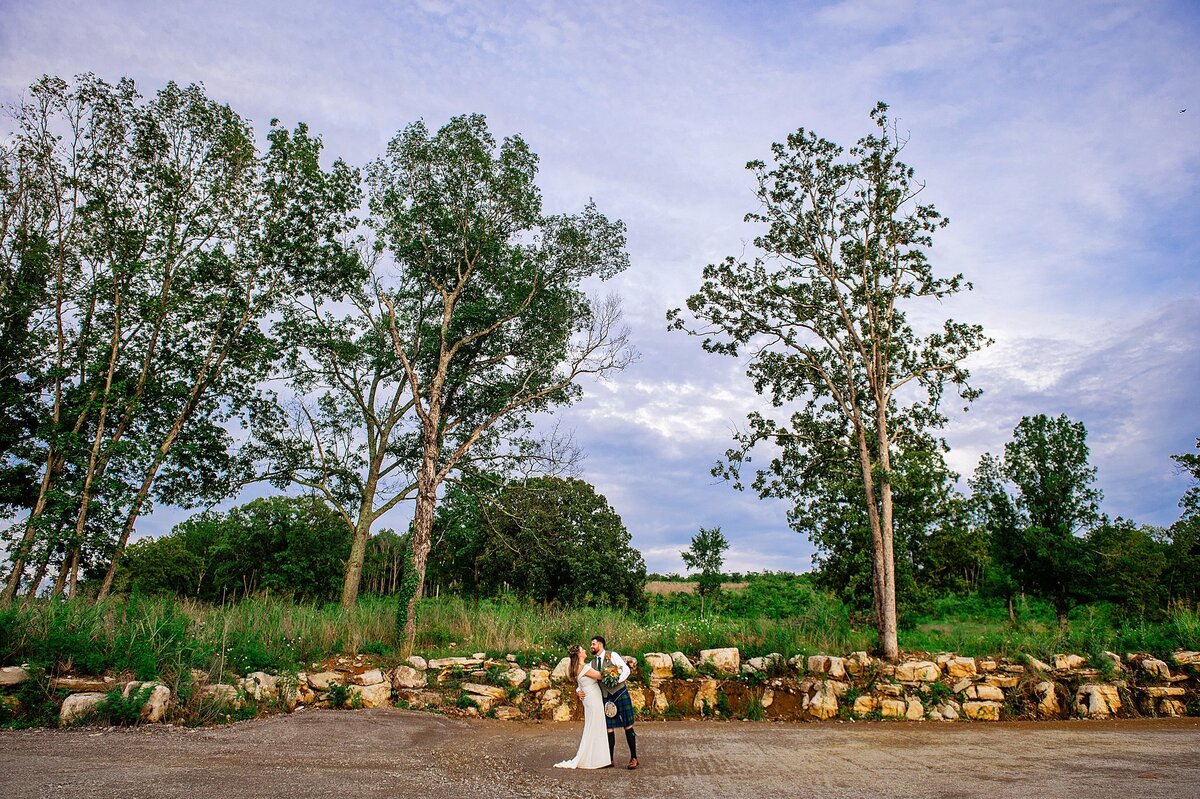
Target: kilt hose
x,y
625,714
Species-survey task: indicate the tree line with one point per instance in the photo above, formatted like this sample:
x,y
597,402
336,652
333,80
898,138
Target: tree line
x,y
185,312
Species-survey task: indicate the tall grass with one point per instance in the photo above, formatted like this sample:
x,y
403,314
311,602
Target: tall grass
x,y
161,637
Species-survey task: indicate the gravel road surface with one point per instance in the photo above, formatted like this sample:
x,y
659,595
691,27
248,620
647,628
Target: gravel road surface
x,y
397,753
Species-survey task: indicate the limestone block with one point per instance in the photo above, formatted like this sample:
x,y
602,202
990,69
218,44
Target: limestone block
x,y
948,711
417,662
915,710
1097,700
985,693
637,698
659,665
221,693
1155,668
943,658
935,715
727,660
409,677
706,696
81,685
1157,691
835,667
459,662
824,703
322,680
960,667
260,686
551,698
13,675
982,711
961,686
987,665
1186,658
561,713
507,713
493,691
370,677
858,663
484,703
515,676
539,680
768,697
1113,656
1038,665
562,671
155,708
1172,708
662,704
77,706
375,695
917,671
1002,681
865,705
1068,662
764,664
681,661
893,708
1047,700
888,689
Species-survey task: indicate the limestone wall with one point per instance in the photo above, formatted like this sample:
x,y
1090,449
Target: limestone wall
x,y
717,684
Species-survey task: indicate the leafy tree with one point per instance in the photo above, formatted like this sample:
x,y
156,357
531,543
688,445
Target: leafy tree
x,y
823,315
488,317
705,556
550,539
1183,570
1038,500
1128,565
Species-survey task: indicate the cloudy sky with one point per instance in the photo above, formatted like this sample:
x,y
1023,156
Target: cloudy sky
x,y
1052,134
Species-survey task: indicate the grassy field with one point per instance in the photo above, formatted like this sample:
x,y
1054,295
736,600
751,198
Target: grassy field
x,y
157,637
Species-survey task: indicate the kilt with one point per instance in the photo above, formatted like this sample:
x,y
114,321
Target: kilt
x,y
625,715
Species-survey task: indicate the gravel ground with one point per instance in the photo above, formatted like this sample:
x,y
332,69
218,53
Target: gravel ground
x,y
398,753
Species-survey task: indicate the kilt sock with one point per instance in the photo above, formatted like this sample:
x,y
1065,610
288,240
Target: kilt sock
x,y
631,739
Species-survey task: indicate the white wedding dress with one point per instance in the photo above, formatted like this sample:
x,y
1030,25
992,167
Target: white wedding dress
x,y
593,746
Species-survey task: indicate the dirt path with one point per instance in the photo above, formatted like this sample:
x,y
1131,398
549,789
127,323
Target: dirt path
x,y
396,753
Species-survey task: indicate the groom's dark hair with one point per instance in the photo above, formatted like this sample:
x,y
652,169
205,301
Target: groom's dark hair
x,y
600,638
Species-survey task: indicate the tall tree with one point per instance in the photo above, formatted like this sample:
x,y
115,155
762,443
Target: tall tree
x,y
706,556
823,315
1183,570
488,318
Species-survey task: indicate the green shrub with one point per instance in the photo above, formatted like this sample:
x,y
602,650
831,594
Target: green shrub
x,y
122,710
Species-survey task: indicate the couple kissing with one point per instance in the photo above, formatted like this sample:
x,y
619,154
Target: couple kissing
x,y
600,685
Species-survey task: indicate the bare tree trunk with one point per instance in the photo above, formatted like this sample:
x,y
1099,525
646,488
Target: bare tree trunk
x,y
358,545
422,526
74,572
878,567
61,580
888,628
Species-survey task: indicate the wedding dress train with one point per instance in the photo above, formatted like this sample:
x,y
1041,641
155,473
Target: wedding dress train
x,y
593,746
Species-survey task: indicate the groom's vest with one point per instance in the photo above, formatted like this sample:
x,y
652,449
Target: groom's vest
x,y
599,663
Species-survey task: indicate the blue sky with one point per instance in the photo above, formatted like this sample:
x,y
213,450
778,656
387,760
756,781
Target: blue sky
x,y
1050,134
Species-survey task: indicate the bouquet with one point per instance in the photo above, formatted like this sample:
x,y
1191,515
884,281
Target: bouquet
x,y
610,677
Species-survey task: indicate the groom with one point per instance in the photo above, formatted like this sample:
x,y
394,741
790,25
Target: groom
x,y
619,696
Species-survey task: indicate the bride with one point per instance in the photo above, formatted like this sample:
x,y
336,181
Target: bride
x,y
593,746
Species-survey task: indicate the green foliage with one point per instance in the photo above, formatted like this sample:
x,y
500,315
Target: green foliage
x,y
123,710
465,701
754,710
337,694
705,556
573,548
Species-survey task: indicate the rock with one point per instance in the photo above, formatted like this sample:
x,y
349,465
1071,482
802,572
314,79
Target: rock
x,y
322,680
551,698
865,705
960,667
727,660
511,658
915,710
408,677
768,698
561,713
539,680
13,675
985,693
371,677
78,707
1172,708
660,702
493,691
1186,658
1097,700
484,703
417,662
155,708
1047,696
986,665
637,698
1037,665
858,663
515,676
1113,656
706,697
824,703
420,699
635,668
943,658
982,711
893,708
948,711
1068,662
462,663
660,666
917,671
507,713
888,689
681,662
1005,681
259,686
765,664
82,685
374,695
824,664
1155,668
961,686
562,671
1157,692
220,693
935,715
